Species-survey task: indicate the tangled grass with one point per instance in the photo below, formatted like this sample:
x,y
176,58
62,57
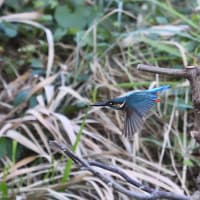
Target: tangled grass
x,y
161,154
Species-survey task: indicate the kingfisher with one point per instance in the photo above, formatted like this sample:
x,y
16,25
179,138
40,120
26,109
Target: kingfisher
x,y
136,104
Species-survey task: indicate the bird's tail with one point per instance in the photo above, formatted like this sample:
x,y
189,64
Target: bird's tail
x,y
159,89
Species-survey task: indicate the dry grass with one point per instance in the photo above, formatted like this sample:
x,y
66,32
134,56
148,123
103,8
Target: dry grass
x,y
158,155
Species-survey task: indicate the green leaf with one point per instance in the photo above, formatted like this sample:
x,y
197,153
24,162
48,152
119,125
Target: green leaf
x,y
8,29
45,3
10,148
82,77
161,20
59,33
37,68
163,47
3,190
36,63
63,16
188,163
46,18
76,20
32,101
14,151
69,163
183,106
79,2
176,14
21,97
5,147
15,4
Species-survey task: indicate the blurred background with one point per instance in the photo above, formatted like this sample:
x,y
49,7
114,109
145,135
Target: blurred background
x,y
58,56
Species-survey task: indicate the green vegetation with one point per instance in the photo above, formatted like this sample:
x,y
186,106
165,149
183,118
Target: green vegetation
x,y
58,56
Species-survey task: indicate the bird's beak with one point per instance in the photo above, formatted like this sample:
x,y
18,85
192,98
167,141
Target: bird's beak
x,y
103,103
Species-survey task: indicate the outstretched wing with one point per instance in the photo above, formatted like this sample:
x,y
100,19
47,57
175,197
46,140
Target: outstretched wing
x,y
137,106
133,122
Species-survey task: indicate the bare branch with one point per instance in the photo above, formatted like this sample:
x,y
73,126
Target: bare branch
x,y
159,70
122,174
152,194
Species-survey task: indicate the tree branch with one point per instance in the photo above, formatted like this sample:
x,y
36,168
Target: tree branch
x,y
152,194
192,73
159,70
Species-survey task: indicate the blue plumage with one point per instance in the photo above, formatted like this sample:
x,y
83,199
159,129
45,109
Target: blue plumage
x,y
135,104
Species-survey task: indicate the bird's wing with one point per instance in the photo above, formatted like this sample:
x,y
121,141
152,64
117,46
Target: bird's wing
x,y
138,105
142,102
133,122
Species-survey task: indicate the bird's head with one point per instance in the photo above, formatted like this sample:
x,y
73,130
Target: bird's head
x,y
116,103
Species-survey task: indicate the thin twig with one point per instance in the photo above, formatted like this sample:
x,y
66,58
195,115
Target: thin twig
x,y
152,194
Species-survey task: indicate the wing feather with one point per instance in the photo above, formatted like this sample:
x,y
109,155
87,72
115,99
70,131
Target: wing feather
x,y
137,105
133,122
141,102
129,128
138,122
136,108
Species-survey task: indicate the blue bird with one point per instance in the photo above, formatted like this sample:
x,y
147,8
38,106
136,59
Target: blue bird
x,y
136,104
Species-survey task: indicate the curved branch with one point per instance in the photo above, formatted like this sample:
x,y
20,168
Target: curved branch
x,y
152,194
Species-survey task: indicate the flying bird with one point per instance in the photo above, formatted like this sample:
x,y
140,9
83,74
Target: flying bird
x,y
136,104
